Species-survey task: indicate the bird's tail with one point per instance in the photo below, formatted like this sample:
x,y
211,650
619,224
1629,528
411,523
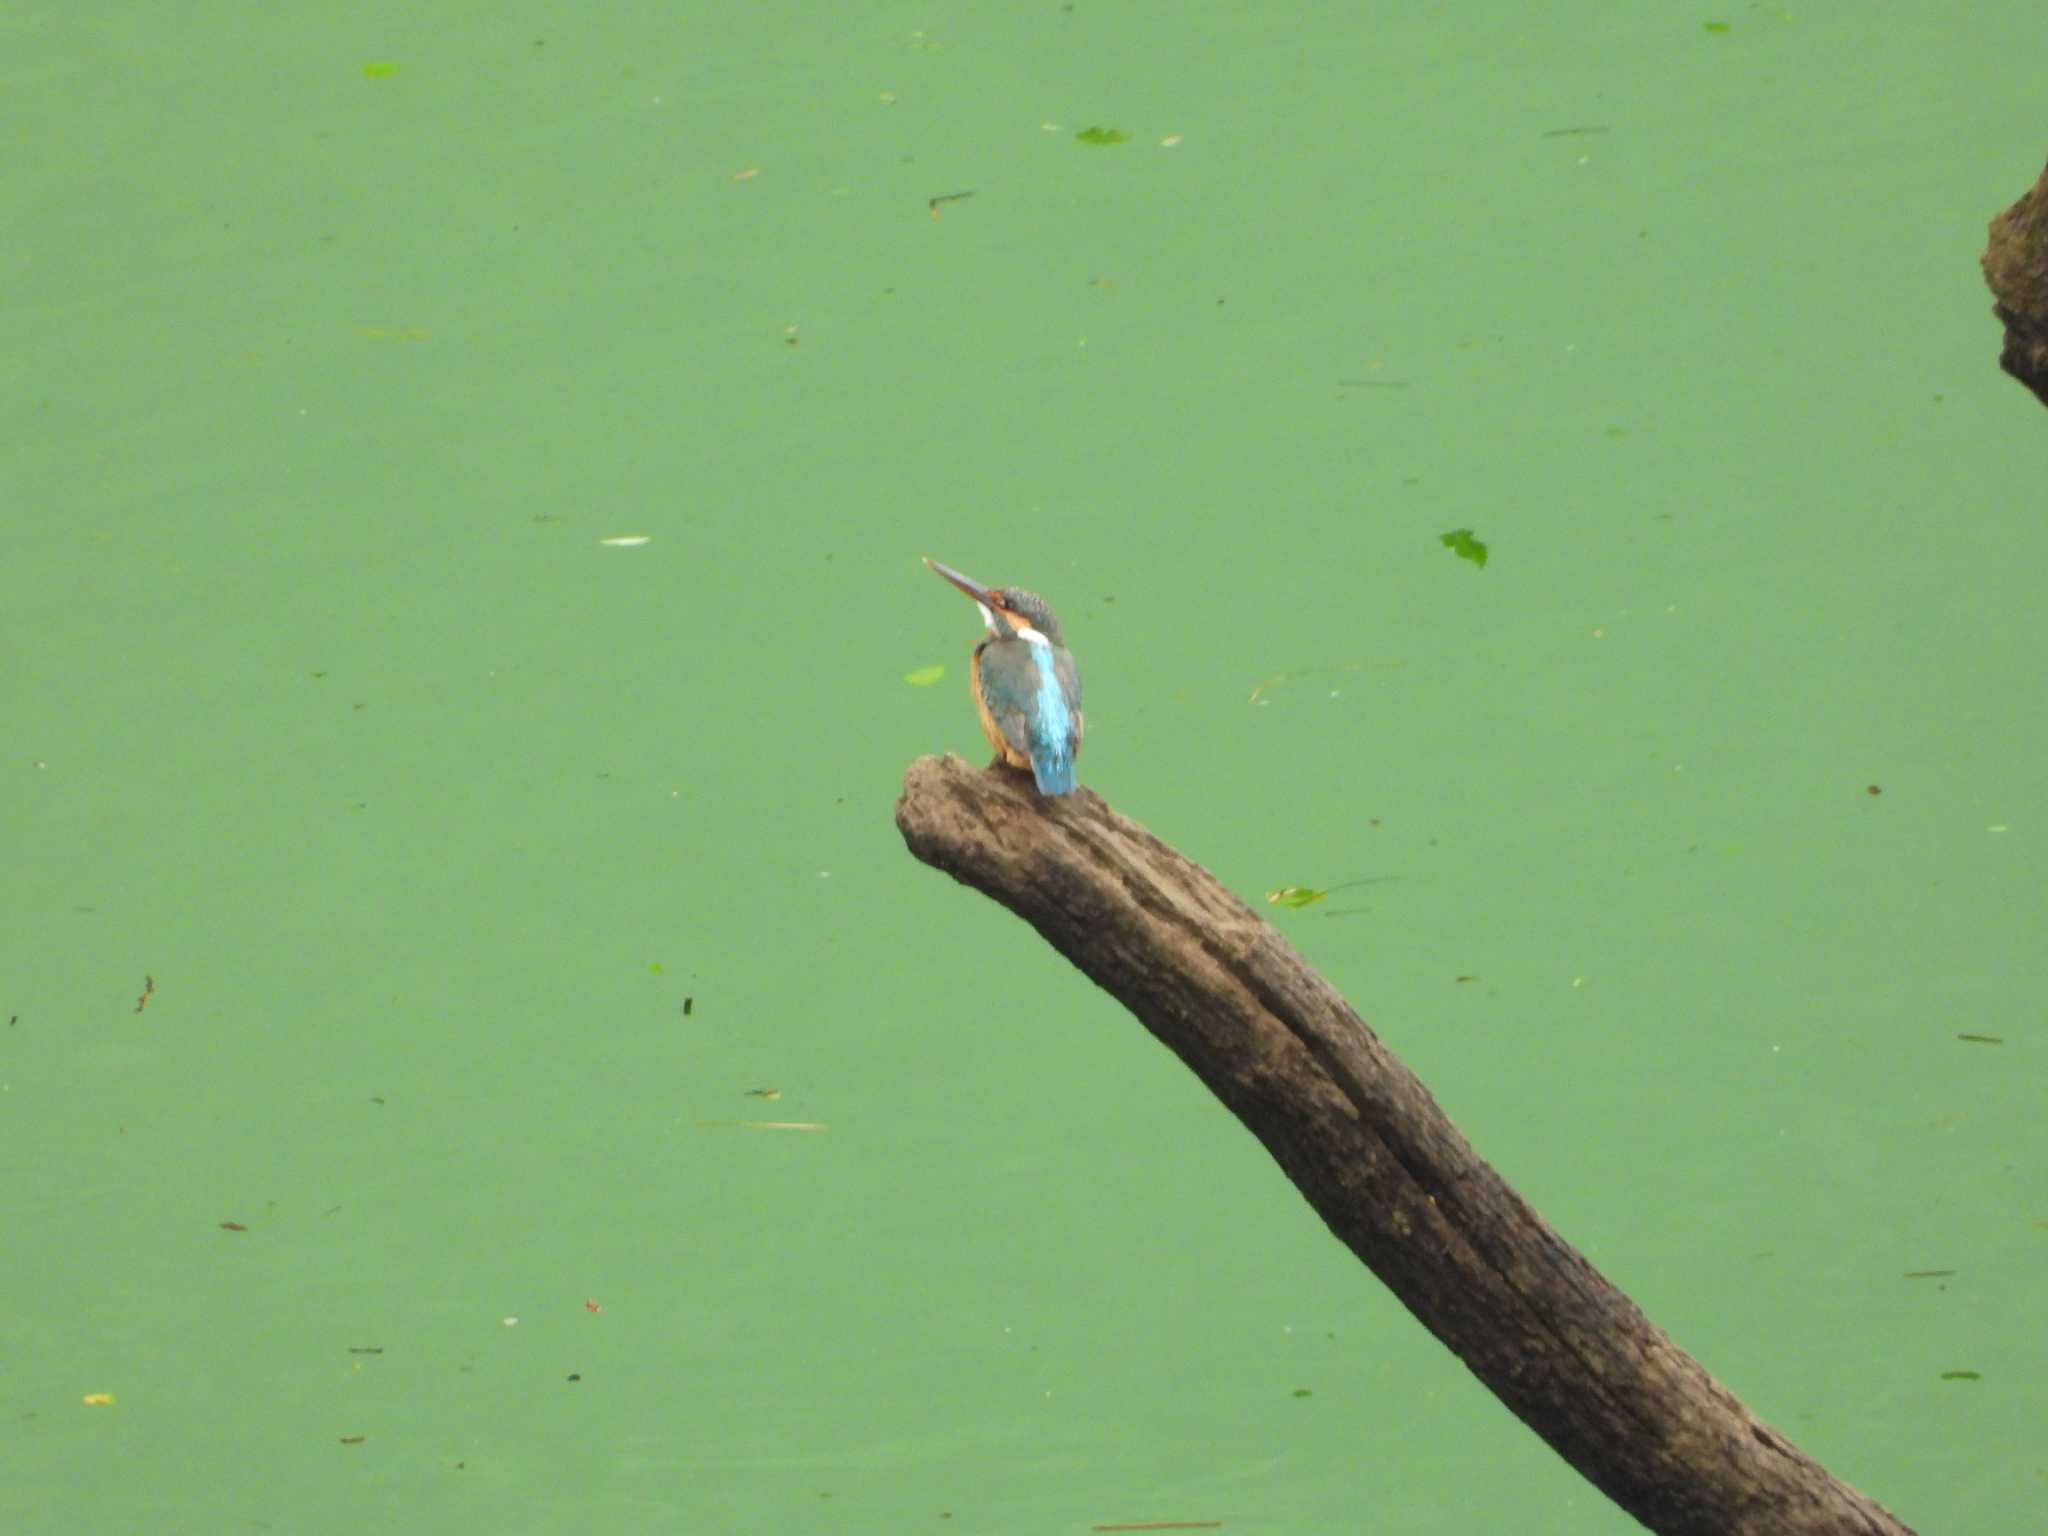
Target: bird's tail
x,y
1054,771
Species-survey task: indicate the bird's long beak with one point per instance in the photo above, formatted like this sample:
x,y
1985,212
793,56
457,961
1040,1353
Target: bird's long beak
x,y
967,584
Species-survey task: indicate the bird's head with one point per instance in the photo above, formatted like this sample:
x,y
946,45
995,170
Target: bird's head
x,y
1009,612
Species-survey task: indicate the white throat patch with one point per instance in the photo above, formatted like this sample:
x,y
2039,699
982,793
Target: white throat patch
x,y
1023,631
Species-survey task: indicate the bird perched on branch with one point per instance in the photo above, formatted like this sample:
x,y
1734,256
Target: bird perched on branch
x,y
1025,684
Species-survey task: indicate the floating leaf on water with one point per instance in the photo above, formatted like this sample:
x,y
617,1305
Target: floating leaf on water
x,y
1459,541
1097,135
1303,1392
98,1399
1272,682
1983,1039
924,677
380,69
1295,896
1715,26
1962,1375
654,966
764,1093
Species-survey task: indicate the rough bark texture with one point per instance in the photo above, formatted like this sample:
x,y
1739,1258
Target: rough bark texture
x,y
1365,1143
2016,267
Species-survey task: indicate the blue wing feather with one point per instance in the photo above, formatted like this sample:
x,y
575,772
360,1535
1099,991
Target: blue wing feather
x,y
1032,694
1056,730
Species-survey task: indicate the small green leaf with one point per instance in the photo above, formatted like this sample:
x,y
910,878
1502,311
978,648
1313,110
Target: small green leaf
x,y
654,966
1295,896
924,677
1093,135
1716,26
1459,541
1962,1375
380,69
1303,1392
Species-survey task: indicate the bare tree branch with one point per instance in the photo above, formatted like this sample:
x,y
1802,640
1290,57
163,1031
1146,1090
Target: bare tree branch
x,y
2016,266
1365,1143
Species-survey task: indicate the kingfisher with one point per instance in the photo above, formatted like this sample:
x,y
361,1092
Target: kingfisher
x,y
1025,685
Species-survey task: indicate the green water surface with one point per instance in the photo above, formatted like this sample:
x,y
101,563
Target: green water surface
x,y
478,1056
